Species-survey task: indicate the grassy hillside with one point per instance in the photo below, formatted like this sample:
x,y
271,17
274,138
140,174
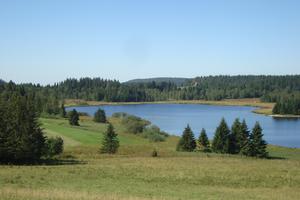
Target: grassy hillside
x,y
83,173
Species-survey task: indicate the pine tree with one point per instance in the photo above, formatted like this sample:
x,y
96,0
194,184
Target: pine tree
x,y
63,112
187,141
258,144
110,142
220,139
22,139
243,139
73,118
233,138
203,141
100,116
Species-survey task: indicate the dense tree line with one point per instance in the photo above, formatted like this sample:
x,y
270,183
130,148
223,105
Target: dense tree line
x,y
237,140
48,99
289,104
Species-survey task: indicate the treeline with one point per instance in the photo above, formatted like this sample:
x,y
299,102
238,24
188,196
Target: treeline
x,y
233,87
237,140
48,98
288,104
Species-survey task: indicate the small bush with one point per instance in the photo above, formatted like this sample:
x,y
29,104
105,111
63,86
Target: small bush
x,y
73,117
119,115
83,114
154,134
134,124
100,116
154,153
54,146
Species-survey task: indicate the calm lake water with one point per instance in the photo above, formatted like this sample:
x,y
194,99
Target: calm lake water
x,y
173,118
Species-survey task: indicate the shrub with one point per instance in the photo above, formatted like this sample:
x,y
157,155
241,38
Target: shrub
x,y
154,134
73,117
100,116
54,146
154,153
134,124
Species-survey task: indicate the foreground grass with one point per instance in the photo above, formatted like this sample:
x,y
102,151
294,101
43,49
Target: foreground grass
x,y
134,174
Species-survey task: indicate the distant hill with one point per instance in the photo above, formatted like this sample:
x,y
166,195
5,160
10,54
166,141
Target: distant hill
x,y
177,81
2,81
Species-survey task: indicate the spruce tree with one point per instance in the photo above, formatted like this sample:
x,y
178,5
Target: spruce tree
x,y
100,116
74,118
221,138
203,141
187,141
258,144
63,112
243,139
22,139
110,143
233,138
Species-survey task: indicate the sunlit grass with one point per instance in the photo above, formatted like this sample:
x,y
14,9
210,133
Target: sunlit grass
x,y
134,174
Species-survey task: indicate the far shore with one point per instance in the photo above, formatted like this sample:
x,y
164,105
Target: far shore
x,y
263,108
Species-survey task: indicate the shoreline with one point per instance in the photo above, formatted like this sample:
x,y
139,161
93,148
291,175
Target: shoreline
x,y
262,108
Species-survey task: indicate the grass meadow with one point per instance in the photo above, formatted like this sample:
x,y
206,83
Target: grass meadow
x,y
82,173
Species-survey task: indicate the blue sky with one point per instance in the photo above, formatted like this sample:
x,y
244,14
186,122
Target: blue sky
x,y
48,41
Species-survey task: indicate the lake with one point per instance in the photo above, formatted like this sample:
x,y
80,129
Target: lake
x,y
173,118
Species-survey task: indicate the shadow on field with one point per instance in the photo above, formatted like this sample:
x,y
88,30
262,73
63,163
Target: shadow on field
x,y
45,162
276,158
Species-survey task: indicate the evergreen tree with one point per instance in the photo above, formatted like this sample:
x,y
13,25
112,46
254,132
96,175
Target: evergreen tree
x,y
63,112
203,141
22,139
73,118
221,138
243,139
187,141
258,146
100,116
110,142
233,139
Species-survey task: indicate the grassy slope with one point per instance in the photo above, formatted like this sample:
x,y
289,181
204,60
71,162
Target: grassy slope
x,y
133,174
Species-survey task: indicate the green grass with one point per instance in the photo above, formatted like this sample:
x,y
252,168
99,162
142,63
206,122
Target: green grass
x,y
134,174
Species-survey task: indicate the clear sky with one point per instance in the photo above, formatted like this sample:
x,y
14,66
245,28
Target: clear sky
x,y
48,41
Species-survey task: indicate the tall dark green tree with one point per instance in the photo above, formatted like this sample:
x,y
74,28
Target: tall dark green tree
x,y
220,139
243,139
110,143
100,116
22,139
203,141
233,139
73,118
187,141
258,146
63,112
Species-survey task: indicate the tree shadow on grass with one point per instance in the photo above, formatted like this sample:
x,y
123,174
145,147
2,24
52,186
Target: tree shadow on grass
x,y
276,158
60,162
46,162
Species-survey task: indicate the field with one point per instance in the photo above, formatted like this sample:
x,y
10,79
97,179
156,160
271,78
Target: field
x,y
82,173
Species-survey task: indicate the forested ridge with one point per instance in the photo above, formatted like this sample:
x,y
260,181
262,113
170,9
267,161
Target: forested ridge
x,y
285,90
